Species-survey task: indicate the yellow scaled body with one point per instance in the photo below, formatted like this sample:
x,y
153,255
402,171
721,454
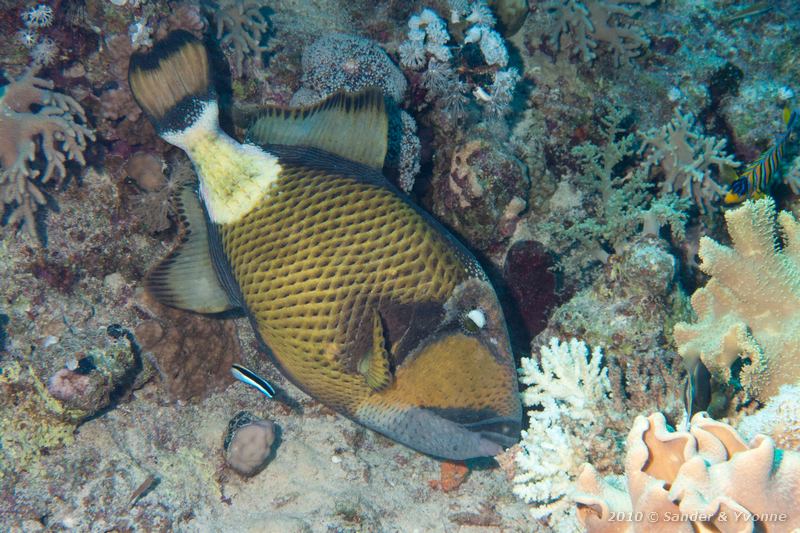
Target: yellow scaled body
x,y
362,299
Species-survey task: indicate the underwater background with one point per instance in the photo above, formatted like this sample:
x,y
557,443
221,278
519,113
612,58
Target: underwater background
x,y
625,171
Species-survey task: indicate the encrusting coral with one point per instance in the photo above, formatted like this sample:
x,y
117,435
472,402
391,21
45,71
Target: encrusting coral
x,y
779,419
748,314
193,353
703,479
36,124
347,62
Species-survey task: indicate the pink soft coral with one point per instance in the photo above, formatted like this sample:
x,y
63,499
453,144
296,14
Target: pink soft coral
x,y
58,119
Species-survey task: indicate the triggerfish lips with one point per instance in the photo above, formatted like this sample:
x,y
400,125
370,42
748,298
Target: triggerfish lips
x,y
455,399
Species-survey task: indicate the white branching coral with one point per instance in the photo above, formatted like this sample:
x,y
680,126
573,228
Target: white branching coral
x,y
39,16
586,26
427,36
570,392
426,48
52,134
686,158
747,330
240,25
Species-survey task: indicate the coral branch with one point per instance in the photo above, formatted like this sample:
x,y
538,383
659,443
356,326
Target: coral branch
x,y
56,132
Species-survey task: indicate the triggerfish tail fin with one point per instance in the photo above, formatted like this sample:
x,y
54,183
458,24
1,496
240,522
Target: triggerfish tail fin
x,y
188,278
172,83
248,377
170,80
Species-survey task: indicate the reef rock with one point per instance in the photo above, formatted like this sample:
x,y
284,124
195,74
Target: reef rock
x,y
193,353
481,192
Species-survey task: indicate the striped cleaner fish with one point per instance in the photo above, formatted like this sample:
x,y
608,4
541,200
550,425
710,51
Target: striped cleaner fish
x,y
756,180
248,377
360,297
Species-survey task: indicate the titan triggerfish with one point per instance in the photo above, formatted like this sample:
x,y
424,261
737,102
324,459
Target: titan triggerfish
x,y
360,297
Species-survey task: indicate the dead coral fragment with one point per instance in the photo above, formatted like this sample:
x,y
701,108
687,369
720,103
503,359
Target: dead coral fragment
x,y
749,312
241,26
585,26
54,133
708,474
686,157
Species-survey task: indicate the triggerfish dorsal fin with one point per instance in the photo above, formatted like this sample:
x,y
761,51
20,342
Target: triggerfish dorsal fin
x,y
375,366
352,126
187,278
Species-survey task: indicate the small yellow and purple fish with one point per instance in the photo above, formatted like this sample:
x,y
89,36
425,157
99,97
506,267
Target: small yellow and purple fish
x,y
756,180
361,298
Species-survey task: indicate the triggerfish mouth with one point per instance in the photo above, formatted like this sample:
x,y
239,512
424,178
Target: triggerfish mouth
x,y
361,298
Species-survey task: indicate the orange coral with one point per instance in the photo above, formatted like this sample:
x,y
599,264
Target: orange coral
x,y
451,476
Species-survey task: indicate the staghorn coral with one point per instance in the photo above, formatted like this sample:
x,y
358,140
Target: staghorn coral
x,y
704,479
748,314
56,131
584,26
570,393
240,26
685,158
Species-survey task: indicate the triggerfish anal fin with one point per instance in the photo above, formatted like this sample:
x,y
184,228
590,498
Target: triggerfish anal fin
x,y
376,366
352,126
187,278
